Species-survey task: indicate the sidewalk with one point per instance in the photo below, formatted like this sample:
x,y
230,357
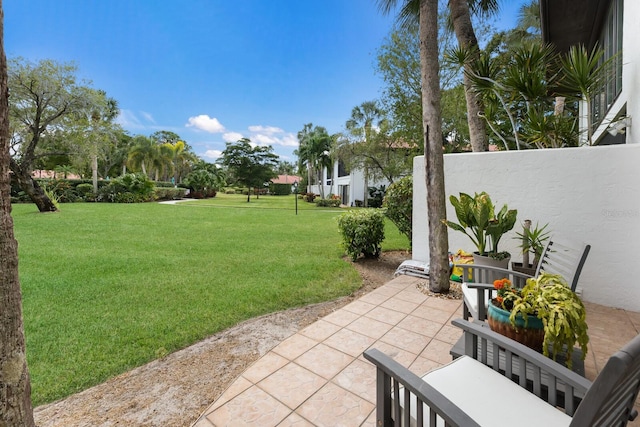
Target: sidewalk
x,y
318,377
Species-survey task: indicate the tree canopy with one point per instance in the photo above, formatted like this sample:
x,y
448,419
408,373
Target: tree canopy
x,y
249,165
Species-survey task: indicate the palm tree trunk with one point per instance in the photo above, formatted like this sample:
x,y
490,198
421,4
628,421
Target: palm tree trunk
x,y
433,151
463,28
15,385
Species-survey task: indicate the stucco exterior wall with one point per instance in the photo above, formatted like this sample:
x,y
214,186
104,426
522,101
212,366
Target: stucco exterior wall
x,y
589,194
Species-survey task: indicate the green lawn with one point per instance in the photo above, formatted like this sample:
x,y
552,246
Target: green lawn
x,y
107,287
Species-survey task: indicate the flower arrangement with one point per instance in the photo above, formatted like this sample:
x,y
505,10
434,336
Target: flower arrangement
x,y
549,298
504,288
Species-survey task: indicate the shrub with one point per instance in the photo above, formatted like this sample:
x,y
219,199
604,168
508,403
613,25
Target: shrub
x,y
362,232
280,189
398,204
229,191
165,193
328,203
376,194
309,197
128,188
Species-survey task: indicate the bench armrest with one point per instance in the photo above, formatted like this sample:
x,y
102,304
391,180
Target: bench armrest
x,y
541,375
390,377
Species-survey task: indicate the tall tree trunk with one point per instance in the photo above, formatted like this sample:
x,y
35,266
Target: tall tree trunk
x,y
94,167
32,188
15,385
433,151
466,36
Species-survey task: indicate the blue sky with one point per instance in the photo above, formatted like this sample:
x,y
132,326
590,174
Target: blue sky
x,y
216,70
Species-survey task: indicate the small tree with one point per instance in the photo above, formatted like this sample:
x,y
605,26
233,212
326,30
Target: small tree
x,y
398,204
251,166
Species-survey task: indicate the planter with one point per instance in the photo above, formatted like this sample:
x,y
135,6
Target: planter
x,y
491,262
517,266
531,335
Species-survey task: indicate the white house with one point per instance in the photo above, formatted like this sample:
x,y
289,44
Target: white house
x,y
351,186
589,194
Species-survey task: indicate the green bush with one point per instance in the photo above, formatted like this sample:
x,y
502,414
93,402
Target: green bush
x,y
280,189
376,194
362,232
128,188
398,203
309,197
166,193
328,203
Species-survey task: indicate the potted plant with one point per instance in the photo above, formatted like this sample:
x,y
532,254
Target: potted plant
x,y
532,241
478,219
554,308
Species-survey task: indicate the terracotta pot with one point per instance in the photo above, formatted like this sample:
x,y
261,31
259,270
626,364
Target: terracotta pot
x,y
531,335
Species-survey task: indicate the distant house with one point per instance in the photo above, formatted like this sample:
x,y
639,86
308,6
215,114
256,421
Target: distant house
x,y
286,179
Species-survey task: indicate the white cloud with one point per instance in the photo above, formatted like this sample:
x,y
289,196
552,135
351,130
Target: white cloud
x,y
147,116
232,136
205,123
128,119
212,154
264,139
289,140
269,130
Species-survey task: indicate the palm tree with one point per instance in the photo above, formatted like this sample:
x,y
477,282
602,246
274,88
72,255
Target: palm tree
x,y
314,151
142,153
364,118
433,152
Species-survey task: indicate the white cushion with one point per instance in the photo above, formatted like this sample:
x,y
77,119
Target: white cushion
x,y
470,296
490,398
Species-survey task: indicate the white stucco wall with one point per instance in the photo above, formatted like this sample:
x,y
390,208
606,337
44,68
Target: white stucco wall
x,y
589,194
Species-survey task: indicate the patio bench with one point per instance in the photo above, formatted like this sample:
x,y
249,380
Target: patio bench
x,y
470,391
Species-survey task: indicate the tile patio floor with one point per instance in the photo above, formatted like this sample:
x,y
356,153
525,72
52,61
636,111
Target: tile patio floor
x,y
318,377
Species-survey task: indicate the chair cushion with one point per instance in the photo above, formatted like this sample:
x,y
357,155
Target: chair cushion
x,y
490,398
470,296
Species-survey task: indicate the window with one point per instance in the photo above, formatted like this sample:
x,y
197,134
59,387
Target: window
x,y
611,42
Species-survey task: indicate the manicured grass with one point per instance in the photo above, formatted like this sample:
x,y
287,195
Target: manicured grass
x,y
107,287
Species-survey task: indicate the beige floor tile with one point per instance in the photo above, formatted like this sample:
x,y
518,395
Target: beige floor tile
x,y
359,307
360,379
370,421
240,385
295,420
292,384
369,327
449,305
294,346
406,340
265,366
320,330
350,342
412,295
431,313
400,305
375,299
386,315
203,422
422,365
421,326
438,351
324,361
341,317
400,355
333,406
449,334
253,407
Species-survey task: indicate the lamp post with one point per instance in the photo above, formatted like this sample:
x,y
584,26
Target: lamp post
x,y
295,194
